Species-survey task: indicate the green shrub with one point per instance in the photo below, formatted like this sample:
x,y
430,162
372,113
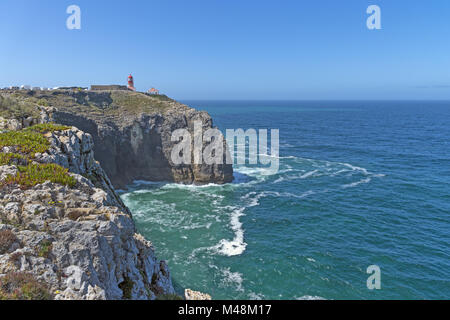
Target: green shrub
x,y
22,286
7,238
8,158
26,141
30,140
42,102
34,174
47,127
45,248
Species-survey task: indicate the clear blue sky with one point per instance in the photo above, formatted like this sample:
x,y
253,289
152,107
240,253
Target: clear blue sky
x,y
233,49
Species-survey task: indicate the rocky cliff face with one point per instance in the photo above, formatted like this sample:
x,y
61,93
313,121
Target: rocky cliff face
x,y
131,132
78,241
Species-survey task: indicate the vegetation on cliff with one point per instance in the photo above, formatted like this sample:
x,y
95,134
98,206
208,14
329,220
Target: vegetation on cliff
x,y
113,104
30,140
25,144
33,174
15,105
22,286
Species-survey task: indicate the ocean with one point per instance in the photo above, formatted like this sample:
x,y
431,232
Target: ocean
x,y
360,184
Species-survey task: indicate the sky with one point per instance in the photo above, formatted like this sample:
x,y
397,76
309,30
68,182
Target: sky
x,y
233,49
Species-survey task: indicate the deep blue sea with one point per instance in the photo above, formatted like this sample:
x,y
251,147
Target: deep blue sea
x,y
360,184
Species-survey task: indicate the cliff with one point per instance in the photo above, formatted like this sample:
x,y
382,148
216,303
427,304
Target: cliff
x,y
64,232
131,131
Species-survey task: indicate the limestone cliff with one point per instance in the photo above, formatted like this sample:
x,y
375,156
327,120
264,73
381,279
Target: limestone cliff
x,y
68,235
131,131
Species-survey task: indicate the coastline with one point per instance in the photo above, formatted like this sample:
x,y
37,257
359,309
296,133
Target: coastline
x,y
72,150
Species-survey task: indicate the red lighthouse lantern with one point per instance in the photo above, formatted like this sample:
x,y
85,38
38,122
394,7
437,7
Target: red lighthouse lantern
x,y
131,83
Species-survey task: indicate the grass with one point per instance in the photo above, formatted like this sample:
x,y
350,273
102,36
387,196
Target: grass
x,y
34,174
22,286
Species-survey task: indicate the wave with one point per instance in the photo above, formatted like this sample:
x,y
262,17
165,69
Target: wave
x,y
313,169
236,246
280,179
355,168
354,184
192,186
307,297
308,174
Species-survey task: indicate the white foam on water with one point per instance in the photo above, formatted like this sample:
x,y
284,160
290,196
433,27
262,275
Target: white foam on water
x,y
292,195
194,226
280,179
254,197
232,279
143,191
354,184
275,157
308,174
355,168
287,145
237,245
255,296
257,197
191,186
256,172
339,172
307,297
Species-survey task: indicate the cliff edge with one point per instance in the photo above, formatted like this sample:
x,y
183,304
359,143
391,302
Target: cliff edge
x,y
131,131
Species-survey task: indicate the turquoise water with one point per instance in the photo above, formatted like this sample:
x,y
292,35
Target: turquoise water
x,y
360,184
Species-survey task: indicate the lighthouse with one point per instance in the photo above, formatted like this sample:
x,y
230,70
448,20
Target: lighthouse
x,y
131,83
